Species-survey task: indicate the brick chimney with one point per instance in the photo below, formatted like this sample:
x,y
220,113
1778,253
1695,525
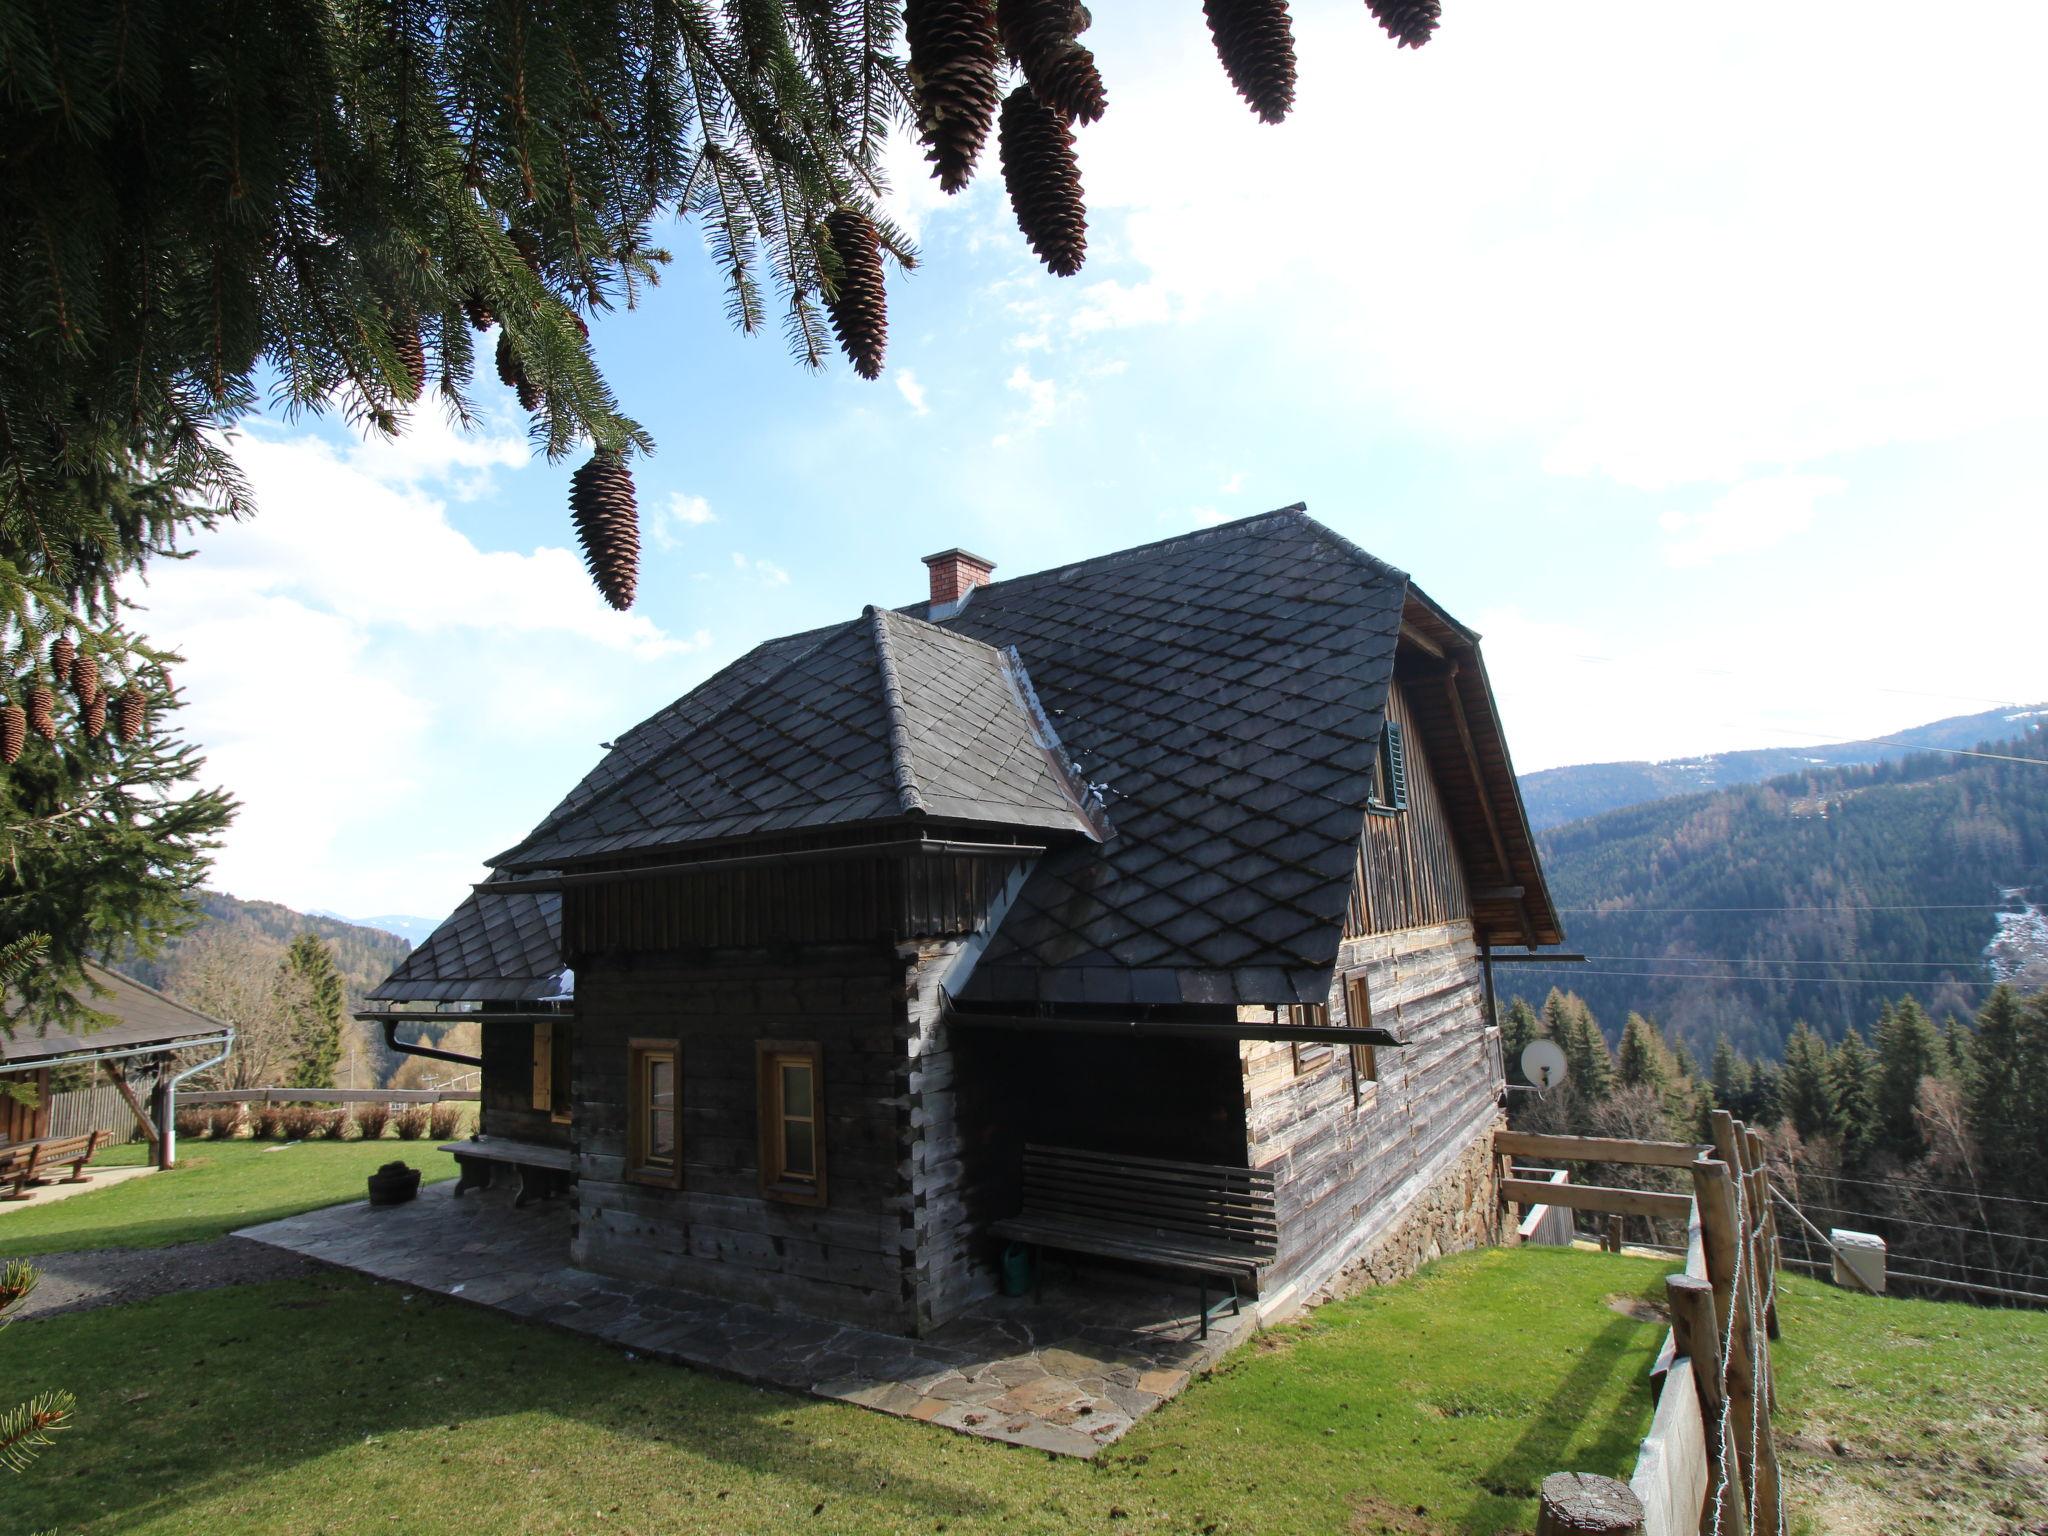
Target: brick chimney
x,y
955,573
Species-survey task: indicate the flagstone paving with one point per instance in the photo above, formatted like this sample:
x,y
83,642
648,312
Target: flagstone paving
x,y
1068,1372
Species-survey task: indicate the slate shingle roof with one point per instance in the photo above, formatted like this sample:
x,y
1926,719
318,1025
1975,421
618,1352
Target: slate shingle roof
x,y
1225,689
494,948
880,718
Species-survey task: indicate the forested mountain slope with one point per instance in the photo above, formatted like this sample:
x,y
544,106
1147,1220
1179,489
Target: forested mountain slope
x,y
1558,795
1811,896
364,956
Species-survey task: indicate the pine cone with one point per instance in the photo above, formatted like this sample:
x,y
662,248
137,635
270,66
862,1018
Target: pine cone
x,y
1255,41
512,373
478,310
96,715
13,733
1039,36
412,356
131,713
1044,181
62,654
858,302
527,244
954,51
1408,22
42,712
608,524
85,680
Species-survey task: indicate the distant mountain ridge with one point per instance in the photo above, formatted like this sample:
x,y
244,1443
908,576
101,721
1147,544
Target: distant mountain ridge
x,y
365,954
1555,796
413,930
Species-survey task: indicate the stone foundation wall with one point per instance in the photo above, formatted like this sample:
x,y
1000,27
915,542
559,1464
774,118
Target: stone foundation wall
x,y
1459,1208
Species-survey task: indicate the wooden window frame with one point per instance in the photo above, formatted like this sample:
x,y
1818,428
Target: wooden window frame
x,y
1309,1055
769,1058
1365,1062
550,1091
640,1051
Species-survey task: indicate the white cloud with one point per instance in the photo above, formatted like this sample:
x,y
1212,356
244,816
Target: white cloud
x,y
349,652
1815,273
682,512
1233,485
1041,404
1208,517
767,572
911,391
1756,515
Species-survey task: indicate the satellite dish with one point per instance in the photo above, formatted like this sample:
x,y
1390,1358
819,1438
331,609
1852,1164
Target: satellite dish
x,y
1543,1063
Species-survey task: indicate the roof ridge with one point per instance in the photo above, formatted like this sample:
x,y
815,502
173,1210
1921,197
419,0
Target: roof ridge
x,y
908,795
1298,509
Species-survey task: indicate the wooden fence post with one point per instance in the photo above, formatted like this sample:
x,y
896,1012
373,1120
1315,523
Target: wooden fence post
x,y
1695,1335
1767,1218
1578,1502
1748,1371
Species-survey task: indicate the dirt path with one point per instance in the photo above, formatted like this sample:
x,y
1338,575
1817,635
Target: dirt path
x,y
110,1277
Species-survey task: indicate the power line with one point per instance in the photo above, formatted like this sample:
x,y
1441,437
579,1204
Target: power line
x,y
1745,960
1840,906
1936,1226
1928,1189
1907,746
1788,981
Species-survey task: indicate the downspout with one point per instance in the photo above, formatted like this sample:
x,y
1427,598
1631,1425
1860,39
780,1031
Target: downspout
x,y
391,1039
168,1131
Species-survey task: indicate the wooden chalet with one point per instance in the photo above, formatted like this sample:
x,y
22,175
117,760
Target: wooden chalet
x,y
1140,908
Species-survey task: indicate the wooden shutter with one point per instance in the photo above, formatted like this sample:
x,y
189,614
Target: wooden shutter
x,y
1396,752
543,1097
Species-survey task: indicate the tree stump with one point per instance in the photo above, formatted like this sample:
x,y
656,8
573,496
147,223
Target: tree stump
x,y
1578,1502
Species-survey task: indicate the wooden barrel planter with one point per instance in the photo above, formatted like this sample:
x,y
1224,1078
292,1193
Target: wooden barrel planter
x,y
394,1184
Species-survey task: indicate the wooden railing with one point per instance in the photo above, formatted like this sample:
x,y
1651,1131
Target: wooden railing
x,y
1710,1461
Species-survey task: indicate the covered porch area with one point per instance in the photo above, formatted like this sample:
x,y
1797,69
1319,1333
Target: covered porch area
x,y
1067,1370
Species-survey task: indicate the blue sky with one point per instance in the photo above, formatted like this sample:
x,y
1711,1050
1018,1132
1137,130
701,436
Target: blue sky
x,y
1697,364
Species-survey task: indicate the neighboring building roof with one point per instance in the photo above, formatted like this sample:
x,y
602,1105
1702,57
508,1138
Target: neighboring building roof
x,y
492,949
144,1017
883,717
1223,693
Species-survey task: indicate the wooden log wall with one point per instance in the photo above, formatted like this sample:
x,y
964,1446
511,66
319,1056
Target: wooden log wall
x,y
1409,872
506,1096
1344,1171
853,1257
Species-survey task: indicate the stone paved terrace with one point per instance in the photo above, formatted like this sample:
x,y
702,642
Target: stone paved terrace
x,y
1068,1373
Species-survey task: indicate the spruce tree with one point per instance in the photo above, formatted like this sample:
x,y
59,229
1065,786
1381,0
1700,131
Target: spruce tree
x,y
2007,1092
1571,1024
318,1000
1852,1080
1908,1049
1731,1078
1517,1030
1641,1063
1807,1097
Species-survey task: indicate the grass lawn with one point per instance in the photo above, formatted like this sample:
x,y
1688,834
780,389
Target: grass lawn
x,y
1902,1417
216,1187
335,1405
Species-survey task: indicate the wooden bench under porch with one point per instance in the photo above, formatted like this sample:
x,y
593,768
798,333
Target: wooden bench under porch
x,y
1211,1221
543,1170
23,1163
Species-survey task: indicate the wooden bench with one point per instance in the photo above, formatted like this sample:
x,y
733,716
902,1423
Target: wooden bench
x,y
1211,1221
543,1171
22,1162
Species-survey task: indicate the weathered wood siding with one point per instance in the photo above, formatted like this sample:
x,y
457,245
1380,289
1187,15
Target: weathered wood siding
x,y
1409,873
854,1257
23,1122
506,1102
1345,1172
